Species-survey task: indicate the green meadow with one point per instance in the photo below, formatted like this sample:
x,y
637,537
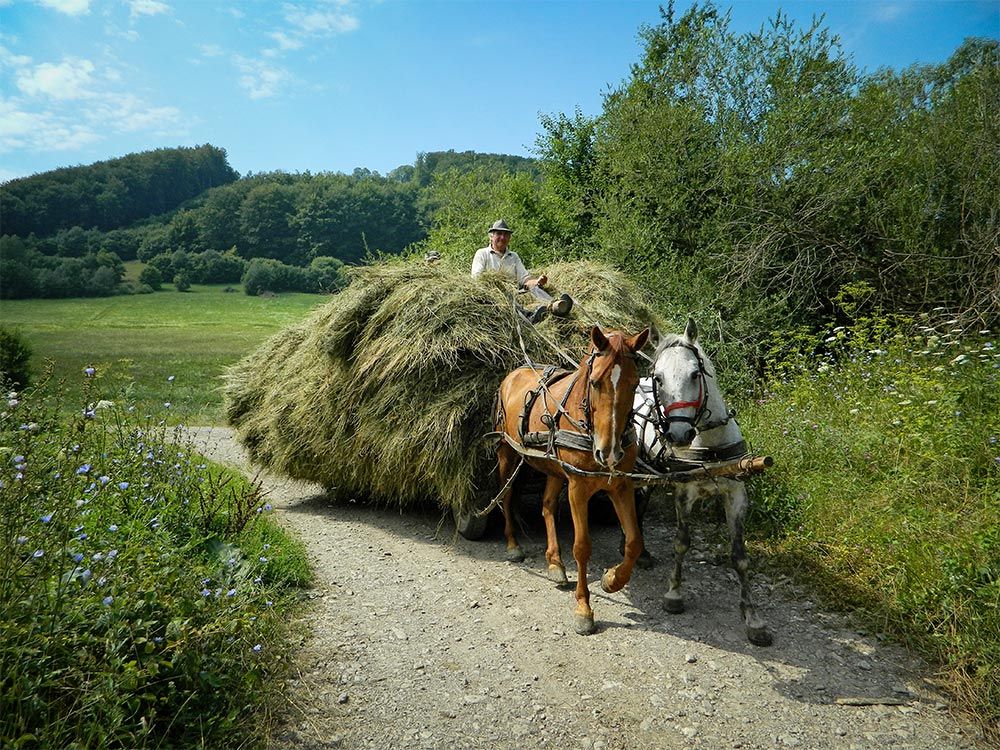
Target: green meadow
x,y
143,340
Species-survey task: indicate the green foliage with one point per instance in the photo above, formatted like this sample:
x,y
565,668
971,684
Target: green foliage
x,y
151,276
182,281
114,193
144,594
26,272
752,176
15,355
886,483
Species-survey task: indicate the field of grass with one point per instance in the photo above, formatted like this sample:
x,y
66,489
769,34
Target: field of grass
x,y
148,338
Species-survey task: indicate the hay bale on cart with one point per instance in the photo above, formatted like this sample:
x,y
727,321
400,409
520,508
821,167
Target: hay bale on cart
x,y
385,391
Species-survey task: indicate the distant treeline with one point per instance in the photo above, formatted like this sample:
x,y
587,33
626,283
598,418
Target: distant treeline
x,y
113,193
290,218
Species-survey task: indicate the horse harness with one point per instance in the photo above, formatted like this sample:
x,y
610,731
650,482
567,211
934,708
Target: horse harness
x,y
555,437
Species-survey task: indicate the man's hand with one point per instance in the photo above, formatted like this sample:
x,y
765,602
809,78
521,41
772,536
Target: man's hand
x,y
541,281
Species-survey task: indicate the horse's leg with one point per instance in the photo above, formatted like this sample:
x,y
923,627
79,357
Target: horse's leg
x,y
735,498
623,498
579,496
684,496
642,495
557,571
507,458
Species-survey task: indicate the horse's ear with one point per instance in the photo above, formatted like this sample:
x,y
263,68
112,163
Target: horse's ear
x,y
654,335
691,330
599,339
639,340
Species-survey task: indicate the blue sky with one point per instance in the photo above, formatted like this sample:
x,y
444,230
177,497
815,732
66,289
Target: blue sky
x,y
330,85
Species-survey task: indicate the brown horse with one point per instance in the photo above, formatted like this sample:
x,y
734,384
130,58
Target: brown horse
x,y
576,427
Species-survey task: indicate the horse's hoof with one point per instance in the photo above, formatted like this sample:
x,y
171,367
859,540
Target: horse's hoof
x,y
673,604
759,636
608,581
583,625
515,555
645,561
557,574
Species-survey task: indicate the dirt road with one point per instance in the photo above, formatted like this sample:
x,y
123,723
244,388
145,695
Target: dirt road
x,y
421,639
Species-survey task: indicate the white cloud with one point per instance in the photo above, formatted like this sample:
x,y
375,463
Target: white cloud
x,y
69,7
887,12
41,131
66,80
211,50
260,79
128,113
146,8
323,23
10,60
286,42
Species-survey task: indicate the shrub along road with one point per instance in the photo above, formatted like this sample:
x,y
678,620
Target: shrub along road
x,y
417,638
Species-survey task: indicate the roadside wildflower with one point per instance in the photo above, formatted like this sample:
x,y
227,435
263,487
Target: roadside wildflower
x,y
38,553
170,378
113,527
46,518
83,469
123,485
89,371
107,601
256,648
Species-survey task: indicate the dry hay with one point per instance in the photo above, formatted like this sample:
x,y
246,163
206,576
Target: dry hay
x,y
386,390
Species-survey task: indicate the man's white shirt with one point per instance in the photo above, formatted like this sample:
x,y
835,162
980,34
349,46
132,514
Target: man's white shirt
x,y
487,259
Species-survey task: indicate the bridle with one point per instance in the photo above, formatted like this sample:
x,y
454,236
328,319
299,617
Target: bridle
x,y
663,416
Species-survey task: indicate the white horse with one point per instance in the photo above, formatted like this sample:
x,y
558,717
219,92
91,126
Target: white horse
x,y
680,413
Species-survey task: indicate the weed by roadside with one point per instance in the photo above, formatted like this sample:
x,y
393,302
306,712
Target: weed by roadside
x,y
886,486
143,592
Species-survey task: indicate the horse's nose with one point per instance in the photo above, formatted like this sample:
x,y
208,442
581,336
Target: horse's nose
x,y
686,436
617,453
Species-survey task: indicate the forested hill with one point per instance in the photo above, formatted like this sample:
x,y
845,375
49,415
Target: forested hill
x,y
114,193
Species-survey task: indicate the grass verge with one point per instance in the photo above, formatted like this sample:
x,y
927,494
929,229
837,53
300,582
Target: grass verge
x,y
144,592
886,487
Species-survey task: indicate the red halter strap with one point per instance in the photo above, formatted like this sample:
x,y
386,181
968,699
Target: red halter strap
x,y
696,404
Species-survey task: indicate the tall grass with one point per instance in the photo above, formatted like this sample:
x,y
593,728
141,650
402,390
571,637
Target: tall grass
x,y
143,592
886,488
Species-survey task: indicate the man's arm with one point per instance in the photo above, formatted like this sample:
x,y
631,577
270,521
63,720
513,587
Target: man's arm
x,y
478,263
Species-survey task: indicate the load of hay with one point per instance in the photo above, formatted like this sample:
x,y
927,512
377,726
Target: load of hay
x,y
385,392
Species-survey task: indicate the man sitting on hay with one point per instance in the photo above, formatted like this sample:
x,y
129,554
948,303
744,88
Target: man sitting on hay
x,y
497,257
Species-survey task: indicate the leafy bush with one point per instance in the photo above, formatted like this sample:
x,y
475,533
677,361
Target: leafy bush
x,y
182,281
211,267
143,592
269,275
151,276
14,357
887,483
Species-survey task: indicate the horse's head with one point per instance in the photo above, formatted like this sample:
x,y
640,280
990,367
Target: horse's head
x,y
680,369
612,380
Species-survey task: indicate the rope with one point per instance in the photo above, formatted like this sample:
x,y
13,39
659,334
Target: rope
x,y
496,501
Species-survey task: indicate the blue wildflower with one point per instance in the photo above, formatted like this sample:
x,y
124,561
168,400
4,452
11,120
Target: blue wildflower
x,y
113,527
256,648
46,518
18,459
38,553
77,556
22,539
86,575
206,592
112,554
170,378
83,469
123,485
231,592
104,480
107,601
89,371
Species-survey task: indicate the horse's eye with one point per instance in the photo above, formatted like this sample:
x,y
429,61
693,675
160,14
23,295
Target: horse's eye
x,y
659,379
695,375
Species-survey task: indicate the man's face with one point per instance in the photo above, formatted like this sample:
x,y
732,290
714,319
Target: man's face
x,y
499,240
